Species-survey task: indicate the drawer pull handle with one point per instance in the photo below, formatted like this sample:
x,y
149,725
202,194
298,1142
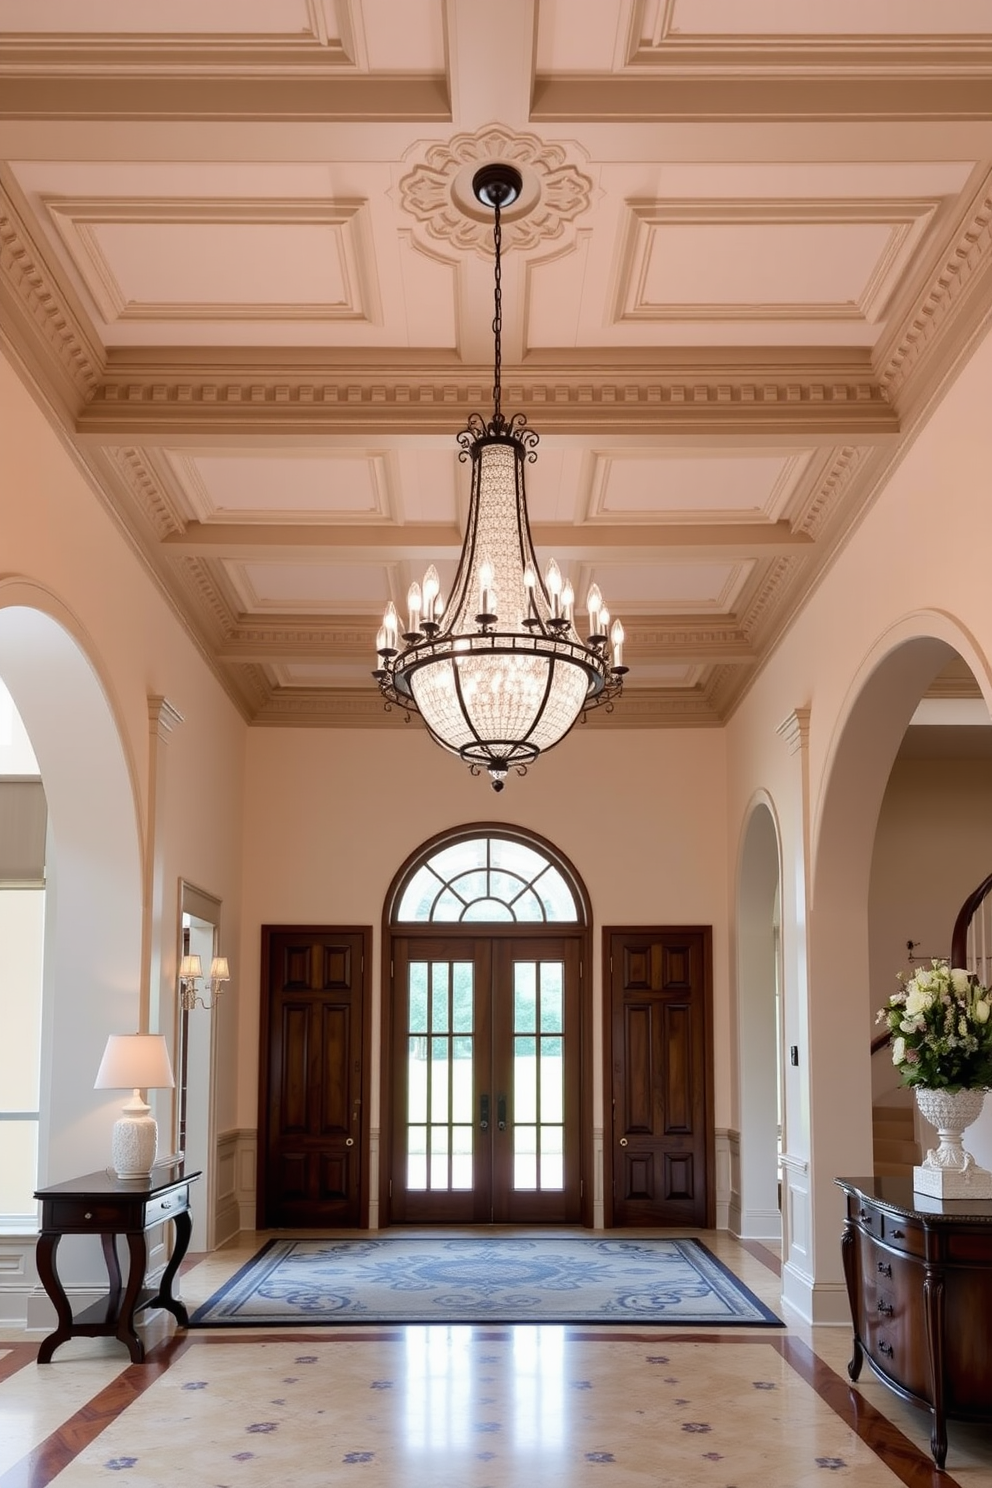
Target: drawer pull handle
x,y
885,1348
885,1308
884,1268
898,1234
87,1215
166,1203
864,1216
349,1141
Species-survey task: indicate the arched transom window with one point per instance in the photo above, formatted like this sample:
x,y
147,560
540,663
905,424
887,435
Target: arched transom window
x,y
488,880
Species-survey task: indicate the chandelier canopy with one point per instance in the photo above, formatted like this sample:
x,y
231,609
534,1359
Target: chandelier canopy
x,y
499,674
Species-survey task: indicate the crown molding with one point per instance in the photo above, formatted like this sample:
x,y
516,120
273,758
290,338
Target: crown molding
x,y
348,639
828,407
931,332
38,318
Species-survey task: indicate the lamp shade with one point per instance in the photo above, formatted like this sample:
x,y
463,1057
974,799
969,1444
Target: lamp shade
x,y
219,969
135,1061
190,967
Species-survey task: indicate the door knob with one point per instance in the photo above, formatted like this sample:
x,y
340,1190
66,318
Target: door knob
x,y
623,1141
484,1113
501,1112
349,1141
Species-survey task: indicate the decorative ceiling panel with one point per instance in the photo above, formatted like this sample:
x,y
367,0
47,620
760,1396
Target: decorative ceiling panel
x,y
765,260
815,18
692,486
170,17
301,485
195,259
299,588
667,588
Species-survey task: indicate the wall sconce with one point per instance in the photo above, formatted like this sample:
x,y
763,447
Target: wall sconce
x,y
191,971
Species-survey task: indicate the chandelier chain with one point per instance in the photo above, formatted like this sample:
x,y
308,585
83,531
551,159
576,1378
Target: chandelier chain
x,y
497,317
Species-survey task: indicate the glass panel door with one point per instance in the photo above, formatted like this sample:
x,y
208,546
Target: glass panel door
x,y
486,1080
443,1056
536,1070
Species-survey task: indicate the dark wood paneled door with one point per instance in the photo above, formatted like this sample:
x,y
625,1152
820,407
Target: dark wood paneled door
x,y
660,1071
485,1079
312,1136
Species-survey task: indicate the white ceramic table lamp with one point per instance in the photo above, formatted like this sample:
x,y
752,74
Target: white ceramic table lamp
x,y
134,1061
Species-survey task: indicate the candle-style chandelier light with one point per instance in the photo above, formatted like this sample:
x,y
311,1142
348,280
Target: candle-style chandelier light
x,y
500,674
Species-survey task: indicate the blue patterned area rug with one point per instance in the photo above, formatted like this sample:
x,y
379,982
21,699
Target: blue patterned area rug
x,y
311,1283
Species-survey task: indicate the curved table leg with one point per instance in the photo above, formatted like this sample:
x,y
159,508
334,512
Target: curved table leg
x,y
109,1243
138,1254
164,1298
48,1244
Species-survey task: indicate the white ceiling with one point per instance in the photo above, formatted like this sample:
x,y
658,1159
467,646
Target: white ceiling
x,y
240,257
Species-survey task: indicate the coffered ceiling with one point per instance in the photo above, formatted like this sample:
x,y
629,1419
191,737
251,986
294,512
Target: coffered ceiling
x,y
241,265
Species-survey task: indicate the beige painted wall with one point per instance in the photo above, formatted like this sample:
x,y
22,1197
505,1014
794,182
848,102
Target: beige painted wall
x,y
64,554
331,815
916,566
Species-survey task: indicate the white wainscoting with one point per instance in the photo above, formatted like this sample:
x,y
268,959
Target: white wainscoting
x,y
236,1157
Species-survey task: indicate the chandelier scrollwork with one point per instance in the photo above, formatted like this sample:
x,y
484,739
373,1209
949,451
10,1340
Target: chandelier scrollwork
x,y
501,673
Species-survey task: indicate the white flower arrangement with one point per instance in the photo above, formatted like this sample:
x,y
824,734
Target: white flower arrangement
x,y
941,1031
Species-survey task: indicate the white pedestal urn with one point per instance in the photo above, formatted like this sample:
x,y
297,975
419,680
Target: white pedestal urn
x,y
950,1172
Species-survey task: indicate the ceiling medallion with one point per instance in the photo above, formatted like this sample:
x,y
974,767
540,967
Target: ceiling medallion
x,y
440,191
500,674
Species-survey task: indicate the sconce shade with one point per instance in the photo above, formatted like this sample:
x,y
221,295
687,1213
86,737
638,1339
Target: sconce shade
x,y
219,971
190,967
134,1061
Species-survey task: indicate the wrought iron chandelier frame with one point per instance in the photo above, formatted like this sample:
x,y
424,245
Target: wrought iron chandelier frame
x,y
545,629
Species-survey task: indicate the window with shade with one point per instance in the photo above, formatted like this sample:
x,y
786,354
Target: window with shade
x,y
23,829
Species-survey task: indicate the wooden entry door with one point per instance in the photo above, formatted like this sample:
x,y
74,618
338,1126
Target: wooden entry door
x,y
313,1143
486,1079
660,1063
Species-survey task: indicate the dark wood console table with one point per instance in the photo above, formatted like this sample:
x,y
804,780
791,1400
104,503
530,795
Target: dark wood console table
x,y
919,1278
101,1204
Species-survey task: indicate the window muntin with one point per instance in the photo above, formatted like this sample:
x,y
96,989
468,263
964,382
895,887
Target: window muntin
x,y
487,880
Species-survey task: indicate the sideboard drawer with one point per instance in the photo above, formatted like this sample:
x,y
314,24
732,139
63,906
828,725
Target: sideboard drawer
x,y
167,1205
902,1234
86,1214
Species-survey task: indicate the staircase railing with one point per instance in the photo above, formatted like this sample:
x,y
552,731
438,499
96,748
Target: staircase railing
x,y
971,941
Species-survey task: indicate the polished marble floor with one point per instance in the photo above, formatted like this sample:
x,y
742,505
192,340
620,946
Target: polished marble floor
x,y
466,1407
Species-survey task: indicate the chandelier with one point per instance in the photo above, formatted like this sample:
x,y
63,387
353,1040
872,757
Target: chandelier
x,y
499,674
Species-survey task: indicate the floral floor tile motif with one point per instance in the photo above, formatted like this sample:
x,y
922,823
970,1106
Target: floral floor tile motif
x,y
457,1407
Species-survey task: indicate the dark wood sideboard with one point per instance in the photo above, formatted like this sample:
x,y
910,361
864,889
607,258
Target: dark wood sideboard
x,y
919,1278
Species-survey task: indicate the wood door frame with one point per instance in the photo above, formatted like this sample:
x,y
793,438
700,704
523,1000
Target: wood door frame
x,y
264,1023
582,932
706,933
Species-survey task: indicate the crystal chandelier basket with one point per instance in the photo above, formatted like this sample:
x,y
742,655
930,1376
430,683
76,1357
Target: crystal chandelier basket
x,y
500,673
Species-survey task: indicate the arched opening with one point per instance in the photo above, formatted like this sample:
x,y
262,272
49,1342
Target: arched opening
x,y
486,1033
840,996
92,945
759,1022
